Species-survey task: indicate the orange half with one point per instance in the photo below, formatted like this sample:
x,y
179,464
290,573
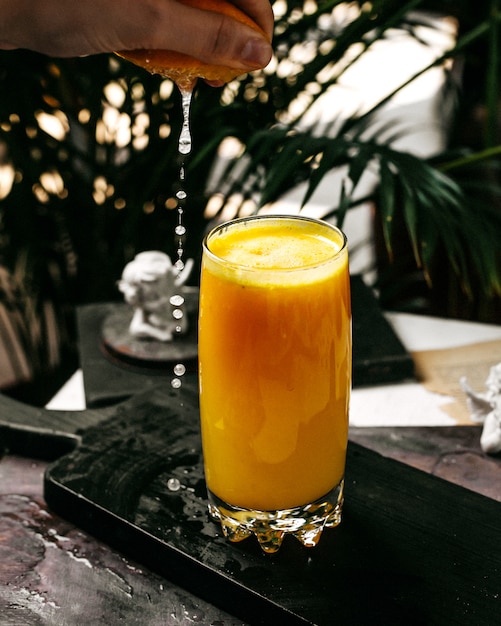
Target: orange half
x,y
184,69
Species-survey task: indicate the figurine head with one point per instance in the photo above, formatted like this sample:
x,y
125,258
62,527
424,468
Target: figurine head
x,y
148,276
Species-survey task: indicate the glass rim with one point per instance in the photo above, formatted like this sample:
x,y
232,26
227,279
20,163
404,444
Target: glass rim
x,y
278,217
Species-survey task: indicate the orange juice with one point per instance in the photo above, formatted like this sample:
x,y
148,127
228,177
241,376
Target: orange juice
x,y
275,361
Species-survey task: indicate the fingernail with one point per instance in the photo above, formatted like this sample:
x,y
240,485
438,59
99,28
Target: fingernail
x,y
256,52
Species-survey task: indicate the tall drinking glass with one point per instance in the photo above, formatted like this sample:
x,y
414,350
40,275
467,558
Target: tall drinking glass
x,y
275,376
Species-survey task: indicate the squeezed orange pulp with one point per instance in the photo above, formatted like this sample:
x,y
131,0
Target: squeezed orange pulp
x,y
275,361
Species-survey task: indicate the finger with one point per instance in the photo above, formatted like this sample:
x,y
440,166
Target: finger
x,y
215,83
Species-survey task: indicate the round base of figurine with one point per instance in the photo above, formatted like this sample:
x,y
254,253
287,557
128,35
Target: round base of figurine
x,y
120,345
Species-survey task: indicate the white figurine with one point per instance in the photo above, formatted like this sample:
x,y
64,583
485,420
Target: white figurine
x,y
486,408
153,287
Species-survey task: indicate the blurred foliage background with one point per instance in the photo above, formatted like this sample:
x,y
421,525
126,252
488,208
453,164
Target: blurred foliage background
x,y
89,170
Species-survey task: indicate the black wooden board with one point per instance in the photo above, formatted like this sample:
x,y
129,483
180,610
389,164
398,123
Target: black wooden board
x,y
378,354
411,549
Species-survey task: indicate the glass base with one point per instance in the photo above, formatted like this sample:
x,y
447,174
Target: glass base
x,y
306,522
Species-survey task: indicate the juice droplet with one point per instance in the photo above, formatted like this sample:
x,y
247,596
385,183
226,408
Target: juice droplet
x,y
179,369
176,300
180,230
175,383
185,137
177,314
173,484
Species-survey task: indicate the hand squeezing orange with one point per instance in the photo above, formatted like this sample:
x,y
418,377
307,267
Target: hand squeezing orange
x,y
184,69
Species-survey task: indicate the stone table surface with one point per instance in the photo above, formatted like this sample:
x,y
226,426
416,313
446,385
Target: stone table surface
x,y
51,572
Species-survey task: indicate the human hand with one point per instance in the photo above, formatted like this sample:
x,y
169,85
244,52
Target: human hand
x,y
66,28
